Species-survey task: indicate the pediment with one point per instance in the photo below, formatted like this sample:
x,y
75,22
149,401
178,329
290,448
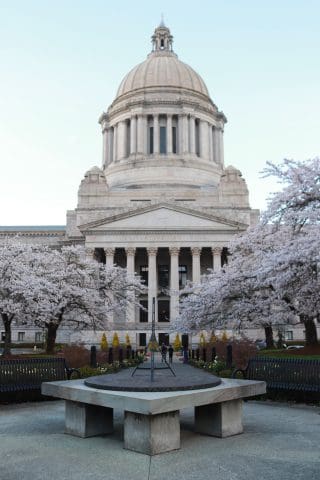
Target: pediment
x,y
163,217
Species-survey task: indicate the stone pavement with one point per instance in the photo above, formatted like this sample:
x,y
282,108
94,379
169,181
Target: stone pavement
x,y
280,442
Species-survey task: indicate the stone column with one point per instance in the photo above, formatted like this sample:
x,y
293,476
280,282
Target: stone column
x,y
196,271
174,282
192,135
130,251
216,155
109,150
210,142
141,134
122,137
169,134
204,144
152,281
156,134
115,143
183,134
109,251
221,148
105,144
216,253
133,137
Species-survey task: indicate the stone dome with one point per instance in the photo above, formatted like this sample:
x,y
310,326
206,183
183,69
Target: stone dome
x,y
162,68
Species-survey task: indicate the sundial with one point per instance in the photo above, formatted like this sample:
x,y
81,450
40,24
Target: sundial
x,y
155,376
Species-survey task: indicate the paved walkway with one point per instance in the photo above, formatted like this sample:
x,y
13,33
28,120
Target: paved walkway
x,y
280,442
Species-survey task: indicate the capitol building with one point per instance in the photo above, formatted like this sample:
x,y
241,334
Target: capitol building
x,y
162,203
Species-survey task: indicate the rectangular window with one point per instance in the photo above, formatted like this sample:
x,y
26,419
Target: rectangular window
x,y
163,310
142,339
174,139
143,316
21,336
163,140
163,276
197,139
144,274
150,139
182,276
289,335
128,137
38,337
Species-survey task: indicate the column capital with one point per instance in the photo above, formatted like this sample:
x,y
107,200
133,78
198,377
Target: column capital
x,y
216,250
90,252
196,250
109,250
152,251
130,251
174,250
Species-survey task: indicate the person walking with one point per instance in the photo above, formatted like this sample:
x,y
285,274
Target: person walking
x,y
163,352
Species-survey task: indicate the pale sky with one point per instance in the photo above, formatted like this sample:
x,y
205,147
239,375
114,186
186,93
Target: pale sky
x,y
61,63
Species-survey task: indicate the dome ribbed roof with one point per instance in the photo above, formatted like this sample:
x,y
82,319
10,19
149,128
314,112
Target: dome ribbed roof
x,y
162,68
162,71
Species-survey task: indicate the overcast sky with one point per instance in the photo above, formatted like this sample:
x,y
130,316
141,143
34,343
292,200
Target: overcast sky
x,y
62,61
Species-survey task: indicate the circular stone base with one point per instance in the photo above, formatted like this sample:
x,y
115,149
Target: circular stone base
x,y
187,378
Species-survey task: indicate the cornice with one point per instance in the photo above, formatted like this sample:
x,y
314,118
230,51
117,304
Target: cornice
x,y
21,233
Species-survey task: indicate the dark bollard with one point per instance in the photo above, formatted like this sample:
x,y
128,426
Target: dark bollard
x,y
120,355
185,355
192,354
197,354
204,354
128,352
110,356
229,356
93,357
213,354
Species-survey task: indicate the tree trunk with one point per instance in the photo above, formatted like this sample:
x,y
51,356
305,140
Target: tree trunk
x,y
269,336
51,337
7,331
311,330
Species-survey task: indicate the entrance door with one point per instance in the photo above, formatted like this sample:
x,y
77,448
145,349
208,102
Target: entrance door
x,y
185,340
163,338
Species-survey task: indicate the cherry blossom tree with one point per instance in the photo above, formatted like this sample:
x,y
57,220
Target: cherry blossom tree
x,y
50,287
80,293
17,280
272,276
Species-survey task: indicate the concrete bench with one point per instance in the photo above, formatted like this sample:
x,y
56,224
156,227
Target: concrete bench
x,y
151,419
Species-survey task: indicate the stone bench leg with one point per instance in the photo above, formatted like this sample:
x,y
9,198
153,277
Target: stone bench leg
x,y
84,420
219,419
152,434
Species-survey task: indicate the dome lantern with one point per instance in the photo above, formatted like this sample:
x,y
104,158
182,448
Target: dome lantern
x,y
162,39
